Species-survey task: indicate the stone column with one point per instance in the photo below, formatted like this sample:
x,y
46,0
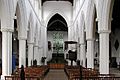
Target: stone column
x,y
6,53
70,32
82,54
22,52
36,54
40,54
30,54
82,43
104,52
45,45
78,51
90,53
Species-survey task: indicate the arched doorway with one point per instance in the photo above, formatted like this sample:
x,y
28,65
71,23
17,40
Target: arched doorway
x,y
57,32
114,36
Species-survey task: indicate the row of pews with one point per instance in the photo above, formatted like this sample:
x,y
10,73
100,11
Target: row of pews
x,y
81,73
31,73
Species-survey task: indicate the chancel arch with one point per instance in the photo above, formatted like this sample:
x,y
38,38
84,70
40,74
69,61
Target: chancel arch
x,y
60,12
57,33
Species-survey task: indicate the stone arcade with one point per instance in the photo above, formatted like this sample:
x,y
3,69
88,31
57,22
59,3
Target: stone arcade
x,y
33,29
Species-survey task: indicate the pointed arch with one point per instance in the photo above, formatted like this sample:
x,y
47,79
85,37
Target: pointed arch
x,y
58,23
103,14
90,20
57,12
110,13
21,19
7,15
82,27
77,30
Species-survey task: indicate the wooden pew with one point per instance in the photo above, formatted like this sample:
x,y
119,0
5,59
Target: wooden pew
x,y
31,73
96,78
87,74
13,77
74,71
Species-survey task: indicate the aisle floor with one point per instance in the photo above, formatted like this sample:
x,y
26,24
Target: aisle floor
x,y
56,74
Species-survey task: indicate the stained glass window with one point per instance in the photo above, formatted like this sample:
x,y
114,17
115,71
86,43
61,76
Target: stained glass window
x,y
58,42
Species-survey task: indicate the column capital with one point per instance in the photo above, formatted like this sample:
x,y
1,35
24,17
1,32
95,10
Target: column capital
x,y
36,46
40,47
104,31
31,43
22,38
90,39
6,30
82,44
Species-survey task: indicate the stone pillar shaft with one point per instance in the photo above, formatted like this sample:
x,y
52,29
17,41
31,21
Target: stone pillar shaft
x,y
30,54
22,52
78,51
104,53
90,53
40,55
36,55
6,53
82,54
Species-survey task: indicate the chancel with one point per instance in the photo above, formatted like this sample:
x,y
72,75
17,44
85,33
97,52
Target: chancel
x,y
60,39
